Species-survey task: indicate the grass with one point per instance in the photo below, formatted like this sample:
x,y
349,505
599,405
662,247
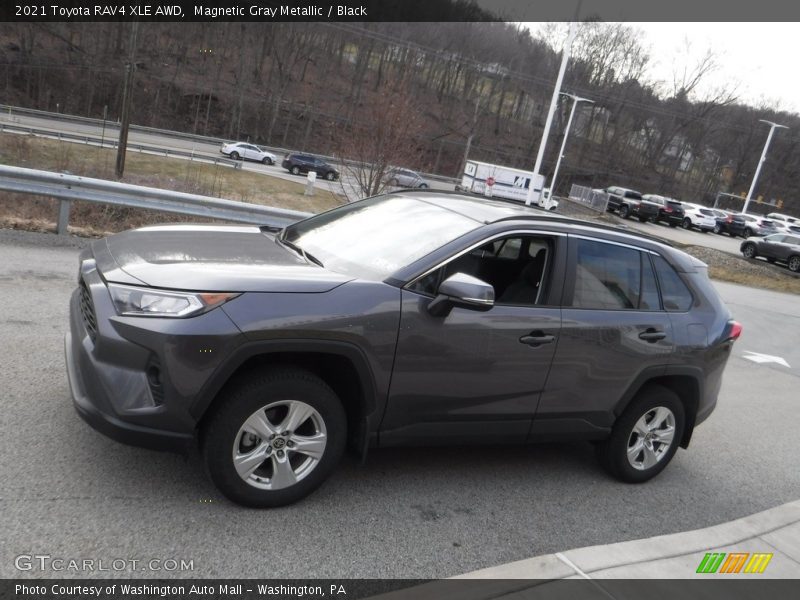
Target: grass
x,y
17,210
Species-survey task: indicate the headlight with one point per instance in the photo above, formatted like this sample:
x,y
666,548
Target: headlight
x,y
147,302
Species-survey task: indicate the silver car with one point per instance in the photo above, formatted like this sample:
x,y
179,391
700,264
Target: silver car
x,y
405,178
242,150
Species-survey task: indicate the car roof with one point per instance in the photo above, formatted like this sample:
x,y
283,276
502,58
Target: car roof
x,y
493,210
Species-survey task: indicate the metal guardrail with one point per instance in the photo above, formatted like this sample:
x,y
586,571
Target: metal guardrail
x,y
589,197
112,143
73,187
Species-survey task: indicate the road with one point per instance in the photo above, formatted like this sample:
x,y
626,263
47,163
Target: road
x,y
70,492
111,133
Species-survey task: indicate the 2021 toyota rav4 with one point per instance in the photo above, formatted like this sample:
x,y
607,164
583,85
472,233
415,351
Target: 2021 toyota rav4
x,y
410,318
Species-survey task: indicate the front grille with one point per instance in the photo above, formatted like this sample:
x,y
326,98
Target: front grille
x,y
87,311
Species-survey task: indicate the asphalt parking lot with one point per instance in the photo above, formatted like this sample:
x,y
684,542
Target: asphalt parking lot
x,y
70,492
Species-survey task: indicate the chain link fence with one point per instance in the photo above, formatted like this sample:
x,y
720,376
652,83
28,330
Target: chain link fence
x,y
594,199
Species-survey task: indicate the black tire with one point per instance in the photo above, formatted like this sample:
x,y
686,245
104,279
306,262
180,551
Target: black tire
x,y
234,155
748,233
624,211
330,176
295,170
423,186
794,263
686,223
643,219
672,224
717,229
613,452
749,251
268,161
224,429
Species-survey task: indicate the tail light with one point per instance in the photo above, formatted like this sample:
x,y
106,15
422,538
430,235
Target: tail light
x,y
729,219
734,331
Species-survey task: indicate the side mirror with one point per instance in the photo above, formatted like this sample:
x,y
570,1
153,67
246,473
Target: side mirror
x,y
462,290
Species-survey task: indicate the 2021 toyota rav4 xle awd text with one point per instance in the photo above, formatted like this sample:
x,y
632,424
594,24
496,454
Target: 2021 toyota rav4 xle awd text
x,y
414,318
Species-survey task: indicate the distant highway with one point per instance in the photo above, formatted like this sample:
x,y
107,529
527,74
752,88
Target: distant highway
x,y
175,143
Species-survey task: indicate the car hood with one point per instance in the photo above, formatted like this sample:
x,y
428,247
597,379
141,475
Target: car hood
x,y
209,258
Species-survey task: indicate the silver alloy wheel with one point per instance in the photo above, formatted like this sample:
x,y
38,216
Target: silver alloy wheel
x,y
651,438
794,263
749,251
279,444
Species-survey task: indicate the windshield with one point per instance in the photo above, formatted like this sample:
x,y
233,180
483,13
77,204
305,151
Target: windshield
x,y
375,237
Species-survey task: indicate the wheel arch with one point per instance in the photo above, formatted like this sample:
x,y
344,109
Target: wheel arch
x,y
685,382
341,365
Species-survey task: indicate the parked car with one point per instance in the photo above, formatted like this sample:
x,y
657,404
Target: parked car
x,y
779,217
776,247
699,217
670,210
242,150
404,319
629,203
303,163
405,178
744,225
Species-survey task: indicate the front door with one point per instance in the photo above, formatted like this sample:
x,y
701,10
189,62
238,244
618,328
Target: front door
x,y
476,376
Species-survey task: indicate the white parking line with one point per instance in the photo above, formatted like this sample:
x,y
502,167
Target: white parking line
x,y
757,357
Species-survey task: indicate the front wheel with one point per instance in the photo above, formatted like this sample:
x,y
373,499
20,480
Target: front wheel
x,y
267,161
423,186
645,437
749,251
330,175
717,229
234,155
276,437
295,170
794,264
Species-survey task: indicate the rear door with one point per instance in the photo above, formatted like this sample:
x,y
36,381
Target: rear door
x,y
613,330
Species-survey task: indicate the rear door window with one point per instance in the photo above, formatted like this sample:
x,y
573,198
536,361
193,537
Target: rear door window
x,y
612,277
675,296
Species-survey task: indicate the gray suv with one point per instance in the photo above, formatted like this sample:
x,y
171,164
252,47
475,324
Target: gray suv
x,y
413,318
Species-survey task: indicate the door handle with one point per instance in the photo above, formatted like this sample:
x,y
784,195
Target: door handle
x,y
652,335
536,338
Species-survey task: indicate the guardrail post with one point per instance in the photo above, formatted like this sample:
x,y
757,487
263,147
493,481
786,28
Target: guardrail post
x,y
312,177
63,217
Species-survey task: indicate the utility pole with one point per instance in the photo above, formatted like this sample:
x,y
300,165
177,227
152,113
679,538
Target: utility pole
x,y
772,127
130,69
469,139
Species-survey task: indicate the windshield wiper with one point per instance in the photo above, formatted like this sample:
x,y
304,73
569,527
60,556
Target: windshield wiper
x,y
300,251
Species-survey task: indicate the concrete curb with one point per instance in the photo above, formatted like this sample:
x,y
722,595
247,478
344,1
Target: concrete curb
x,y
674,556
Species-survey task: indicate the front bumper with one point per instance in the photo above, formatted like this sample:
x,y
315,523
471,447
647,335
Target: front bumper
x,y
111,425
136,379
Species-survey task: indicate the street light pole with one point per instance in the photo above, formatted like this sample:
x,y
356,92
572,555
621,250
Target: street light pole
x,y
772,128
575,100
553,102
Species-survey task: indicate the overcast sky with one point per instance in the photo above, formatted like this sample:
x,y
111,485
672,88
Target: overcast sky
x,y
759,57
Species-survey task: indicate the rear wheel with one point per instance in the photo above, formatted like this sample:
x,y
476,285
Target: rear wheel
x,y
267,160
794,264
645,437
330,175
275,439
749,251
624,211
748,233
234,155
643,219
717,229
686,223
